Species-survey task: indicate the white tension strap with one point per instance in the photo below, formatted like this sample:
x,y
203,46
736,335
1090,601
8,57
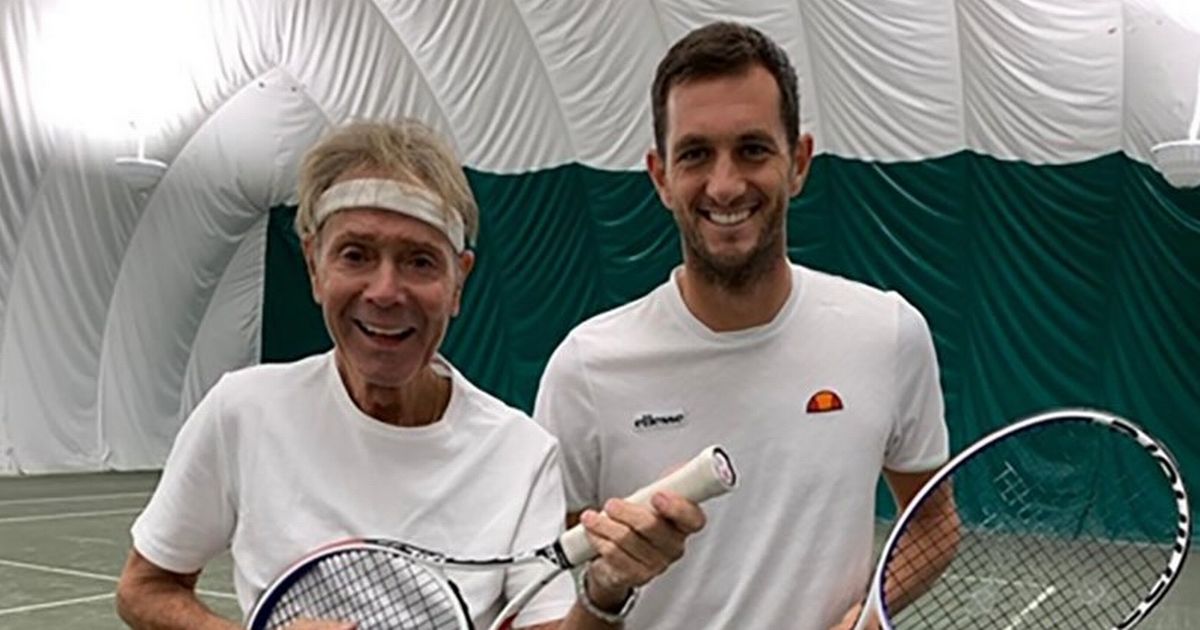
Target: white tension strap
x,y
389,194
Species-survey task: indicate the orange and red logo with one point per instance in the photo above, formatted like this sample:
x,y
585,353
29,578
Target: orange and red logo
x,y
823,401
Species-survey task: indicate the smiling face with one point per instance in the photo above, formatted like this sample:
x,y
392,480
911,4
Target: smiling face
x,y
727,174
388,285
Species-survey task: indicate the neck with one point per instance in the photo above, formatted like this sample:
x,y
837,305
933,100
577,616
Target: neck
x,y
722,308
420,401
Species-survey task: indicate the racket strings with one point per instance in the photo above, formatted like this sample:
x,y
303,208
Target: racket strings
x,y
1036,555
375,589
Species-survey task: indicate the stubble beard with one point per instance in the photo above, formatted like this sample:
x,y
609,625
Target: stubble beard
x,y
735,274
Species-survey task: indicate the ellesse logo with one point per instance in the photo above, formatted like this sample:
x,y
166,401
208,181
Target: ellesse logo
x,y
656,421
824,401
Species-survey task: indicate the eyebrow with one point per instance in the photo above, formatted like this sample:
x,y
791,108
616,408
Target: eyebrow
x,y
696,140
369,237
759,135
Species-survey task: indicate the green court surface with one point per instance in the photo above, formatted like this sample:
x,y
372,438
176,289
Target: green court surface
x,y
63,540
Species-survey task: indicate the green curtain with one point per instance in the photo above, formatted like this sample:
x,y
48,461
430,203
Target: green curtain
x,y
1044,286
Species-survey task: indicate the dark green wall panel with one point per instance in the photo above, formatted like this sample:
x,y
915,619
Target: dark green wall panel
x,y
1045,286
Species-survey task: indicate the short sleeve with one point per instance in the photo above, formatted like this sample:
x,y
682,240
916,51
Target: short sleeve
x,y
191,516
918,440
564,407
541,522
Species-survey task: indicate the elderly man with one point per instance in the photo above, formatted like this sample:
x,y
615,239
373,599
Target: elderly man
x,y
380,436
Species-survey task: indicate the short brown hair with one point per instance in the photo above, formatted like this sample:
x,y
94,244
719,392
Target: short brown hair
x,y
407,150
721,49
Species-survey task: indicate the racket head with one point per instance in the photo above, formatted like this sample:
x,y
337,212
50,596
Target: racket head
x,y
1036,551
375,585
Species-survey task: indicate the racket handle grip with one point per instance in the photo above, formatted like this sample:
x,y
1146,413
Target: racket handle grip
x,y
707,475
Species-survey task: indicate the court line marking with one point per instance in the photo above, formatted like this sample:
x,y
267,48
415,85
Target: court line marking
x,y
45,568
55,604
995,580
1030,606
64,515
80,497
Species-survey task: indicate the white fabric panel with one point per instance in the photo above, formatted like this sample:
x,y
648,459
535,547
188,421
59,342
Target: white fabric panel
x,y
236,167
604,106
61,272
490,82
887,76
352,64
21,158
1160,95
64,270
230,333
247,45
1042,78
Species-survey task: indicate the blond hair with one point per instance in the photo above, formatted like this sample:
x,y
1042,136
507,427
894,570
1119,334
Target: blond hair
x,y
406,150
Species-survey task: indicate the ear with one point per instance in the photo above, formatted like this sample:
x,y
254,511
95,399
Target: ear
x,y
801,161
657,167
312,249
466,262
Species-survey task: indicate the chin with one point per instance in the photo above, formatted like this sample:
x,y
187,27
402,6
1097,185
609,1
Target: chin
x,y
379,369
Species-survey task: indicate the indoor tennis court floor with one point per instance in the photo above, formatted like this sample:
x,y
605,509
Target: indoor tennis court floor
x,y
64,538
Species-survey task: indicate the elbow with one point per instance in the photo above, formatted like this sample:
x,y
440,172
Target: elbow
x,y
133,586
126,598
123,603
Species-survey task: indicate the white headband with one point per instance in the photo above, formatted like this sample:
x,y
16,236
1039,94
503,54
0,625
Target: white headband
x,y
389,194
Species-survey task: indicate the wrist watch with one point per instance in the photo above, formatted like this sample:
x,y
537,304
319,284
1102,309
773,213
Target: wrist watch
x,y
581,582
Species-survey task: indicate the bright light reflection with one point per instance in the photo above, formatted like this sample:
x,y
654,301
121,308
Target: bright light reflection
x,y
1185,12
103,68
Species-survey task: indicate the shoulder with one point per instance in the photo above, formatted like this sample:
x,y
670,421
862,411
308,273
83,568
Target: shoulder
x,y
857,302
631,317
274,379
487,414
618,332
834,290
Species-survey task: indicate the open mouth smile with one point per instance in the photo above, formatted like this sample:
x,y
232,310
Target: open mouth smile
x,y
728,218
383,333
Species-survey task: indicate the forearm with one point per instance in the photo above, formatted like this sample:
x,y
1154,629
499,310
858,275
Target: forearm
x,y
925,550
151,598
167,607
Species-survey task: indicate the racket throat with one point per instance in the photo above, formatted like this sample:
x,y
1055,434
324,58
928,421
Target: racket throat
x,y
556,555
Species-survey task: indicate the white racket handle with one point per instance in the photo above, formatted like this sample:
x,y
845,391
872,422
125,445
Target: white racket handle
x,y
707,475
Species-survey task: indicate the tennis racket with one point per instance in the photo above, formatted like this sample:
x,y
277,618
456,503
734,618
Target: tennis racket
x,y
1082,522
381,583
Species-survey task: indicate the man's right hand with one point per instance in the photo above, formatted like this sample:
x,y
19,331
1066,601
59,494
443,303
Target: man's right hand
x,y
636,543
851,617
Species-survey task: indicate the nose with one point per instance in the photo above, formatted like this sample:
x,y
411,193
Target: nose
x,y
725,181
386,286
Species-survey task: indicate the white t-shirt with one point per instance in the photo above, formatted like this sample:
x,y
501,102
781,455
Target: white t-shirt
x,y
635,390
277,460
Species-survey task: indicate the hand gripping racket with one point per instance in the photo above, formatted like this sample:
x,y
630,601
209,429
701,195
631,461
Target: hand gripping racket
x,y
1073,518
379,583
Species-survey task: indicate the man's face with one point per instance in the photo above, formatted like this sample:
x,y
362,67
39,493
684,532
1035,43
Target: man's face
x,y
728,173
388,285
